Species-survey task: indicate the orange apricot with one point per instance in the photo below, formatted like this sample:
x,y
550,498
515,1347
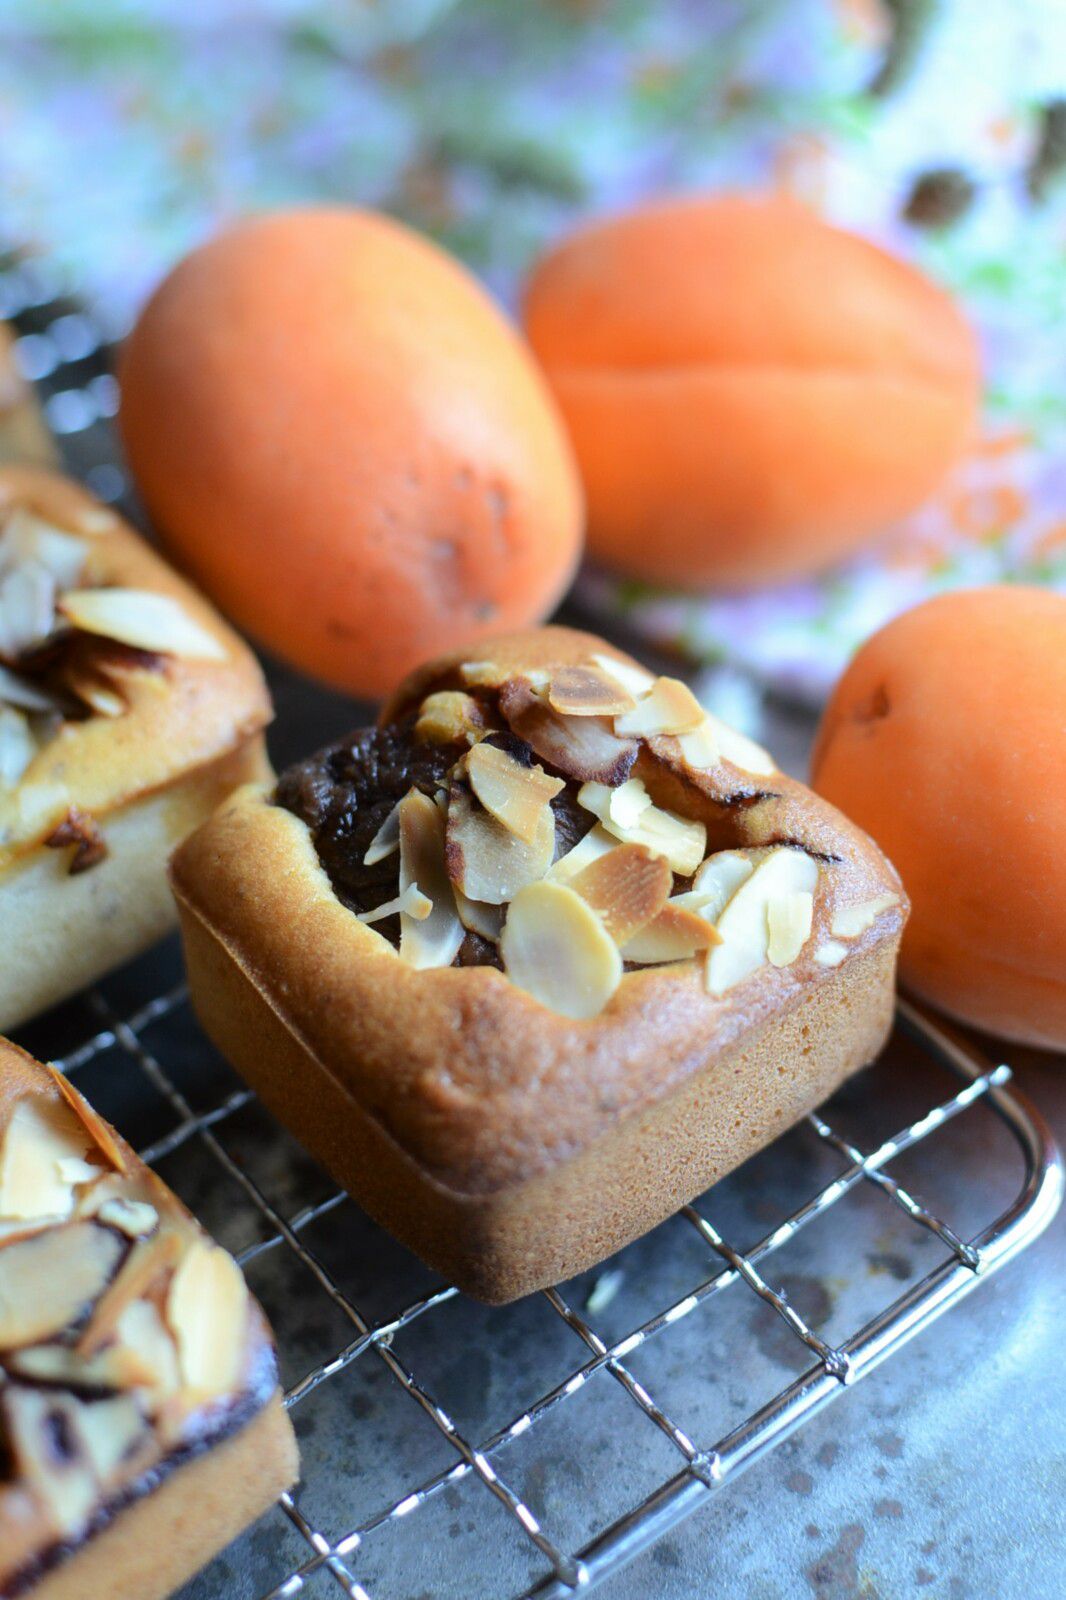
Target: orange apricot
x,y
946,740
751,393
348,446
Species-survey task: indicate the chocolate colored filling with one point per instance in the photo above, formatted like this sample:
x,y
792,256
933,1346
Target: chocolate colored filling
x,y
345,792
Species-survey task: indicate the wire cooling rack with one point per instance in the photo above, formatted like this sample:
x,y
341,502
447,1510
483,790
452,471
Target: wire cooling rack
x,y
531,1450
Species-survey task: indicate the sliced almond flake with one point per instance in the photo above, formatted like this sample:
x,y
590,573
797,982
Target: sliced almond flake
x,y
74,1170
628,802
431,941
700,750
789,918
142,1333
626,888
206,1310
668,707
635,680
849,921
141,618
10,1231
64,1485
719,878
743,925
487,862
587,692
27,608
663,832
25,695
146,1262
412,903
831,953
478,917
586,749
102,1136
110,1431
741,751
596,843
135,1218
679,932
29,538
555,947
39,1135
17,746
58,1364
514,794
48,1281
93,692
484,674
386,840
450,717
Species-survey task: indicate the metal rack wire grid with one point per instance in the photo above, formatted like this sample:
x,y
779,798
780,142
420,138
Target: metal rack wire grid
x,y
532,1450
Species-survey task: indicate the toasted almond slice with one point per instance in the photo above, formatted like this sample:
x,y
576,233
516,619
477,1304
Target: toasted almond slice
x,y
75,1170
679,932
28,538
636,680
626,888
93,691
555,947
146,1262
484,674
40,1133
102,1136
411,902
744,924
831,953
719,878
788,923
663,832
26,695
386,840
587,692
59,1365
431,941
17,746
110,1431
586,749
700,750
143,619
478,917
627,804
596,843
48,1281
450,717
849,921
714,740
514,794
207,1309
668,707
135,1218
143,1335
65,1484
486,861
27,608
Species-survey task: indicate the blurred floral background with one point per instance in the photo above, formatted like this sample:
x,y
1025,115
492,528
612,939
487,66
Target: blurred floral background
x,y
129,131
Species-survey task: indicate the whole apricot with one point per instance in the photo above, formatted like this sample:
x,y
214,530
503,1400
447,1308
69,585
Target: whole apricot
x,y
946,740
347,445
751,393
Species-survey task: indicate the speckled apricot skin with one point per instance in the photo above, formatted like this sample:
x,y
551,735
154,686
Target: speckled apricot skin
x,y
345,442
946,740
751,393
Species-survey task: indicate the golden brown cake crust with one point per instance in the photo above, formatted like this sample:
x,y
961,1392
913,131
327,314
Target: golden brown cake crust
x,y
182,716
471,1095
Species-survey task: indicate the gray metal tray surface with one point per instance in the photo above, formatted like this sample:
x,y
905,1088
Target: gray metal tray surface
x,y
449,1449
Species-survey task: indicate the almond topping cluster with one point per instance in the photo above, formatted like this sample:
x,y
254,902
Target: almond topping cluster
x,y
65,646
118,1318
482,855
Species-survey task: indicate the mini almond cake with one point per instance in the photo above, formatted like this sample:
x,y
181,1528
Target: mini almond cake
x,y
539,957
140,1419
127,712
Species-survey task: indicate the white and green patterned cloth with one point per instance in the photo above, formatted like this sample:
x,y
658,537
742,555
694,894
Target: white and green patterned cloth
x,y
128,131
